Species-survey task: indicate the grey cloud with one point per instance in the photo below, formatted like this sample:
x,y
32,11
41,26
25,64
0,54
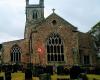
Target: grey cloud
x,y
12,19
81,13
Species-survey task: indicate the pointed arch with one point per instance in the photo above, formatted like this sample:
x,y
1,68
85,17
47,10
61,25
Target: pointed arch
x,y
15,54
55,48
35,14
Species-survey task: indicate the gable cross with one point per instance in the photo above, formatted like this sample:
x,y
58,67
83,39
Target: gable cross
x,y
53,10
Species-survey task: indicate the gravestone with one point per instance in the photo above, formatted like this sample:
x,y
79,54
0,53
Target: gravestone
x,y
9,68
0,67
38,69
1,78
7,75
83,76
75,72
28,74
14,68
49,70
35,71
60,70
4,68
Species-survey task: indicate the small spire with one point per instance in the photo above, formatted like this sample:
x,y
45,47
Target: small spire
x,y
53,10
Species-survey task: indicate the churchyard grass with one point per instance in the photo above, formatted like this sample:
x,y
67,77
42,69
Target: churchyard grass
x,y
20,76
92,76
1,74
55,76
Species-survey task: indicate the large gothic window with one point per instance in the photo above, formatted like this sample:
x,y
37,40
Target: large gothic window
x,y
55,49
15,54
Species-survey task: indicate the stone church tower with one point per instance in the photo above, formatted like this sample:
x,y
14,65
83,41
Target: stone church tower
x,y
49,41
34,15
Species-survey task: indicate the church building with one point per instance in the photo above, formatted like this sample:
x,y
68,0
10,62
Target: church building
x,y
49,41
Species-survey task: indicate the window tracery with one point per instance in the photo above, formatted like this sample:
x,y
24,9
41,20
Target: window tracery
x,y
55,49
15,54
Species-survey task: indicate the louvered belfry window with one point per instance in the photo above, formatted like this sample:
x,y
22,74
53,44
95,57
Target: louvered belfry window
x,y
35,14
55,49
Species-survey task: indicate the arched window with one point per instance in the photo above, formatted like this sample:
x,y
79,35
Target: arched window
x,y
55,49
35,14
15,54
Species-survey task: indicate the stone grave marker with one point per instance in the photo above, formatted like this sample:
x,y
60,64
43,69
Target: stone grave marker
x,y
75,72
7,75
28,74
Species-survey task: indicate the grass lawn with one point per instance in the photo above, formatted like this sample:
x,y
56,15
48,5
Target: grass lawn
x,y
91,76
20,76
1,74
55,76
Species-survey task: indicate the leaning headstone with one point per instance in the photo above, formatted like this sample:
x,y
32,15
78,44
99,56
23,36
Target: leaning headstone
x,y
75,72
28,74
7,76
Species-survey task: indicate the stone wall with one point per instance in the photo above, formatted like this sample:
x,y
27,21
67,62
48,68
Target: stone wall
x,y
23,44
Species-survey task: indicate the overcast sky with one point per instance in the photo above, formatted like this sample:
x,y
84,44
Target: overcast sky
x,y
81,13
